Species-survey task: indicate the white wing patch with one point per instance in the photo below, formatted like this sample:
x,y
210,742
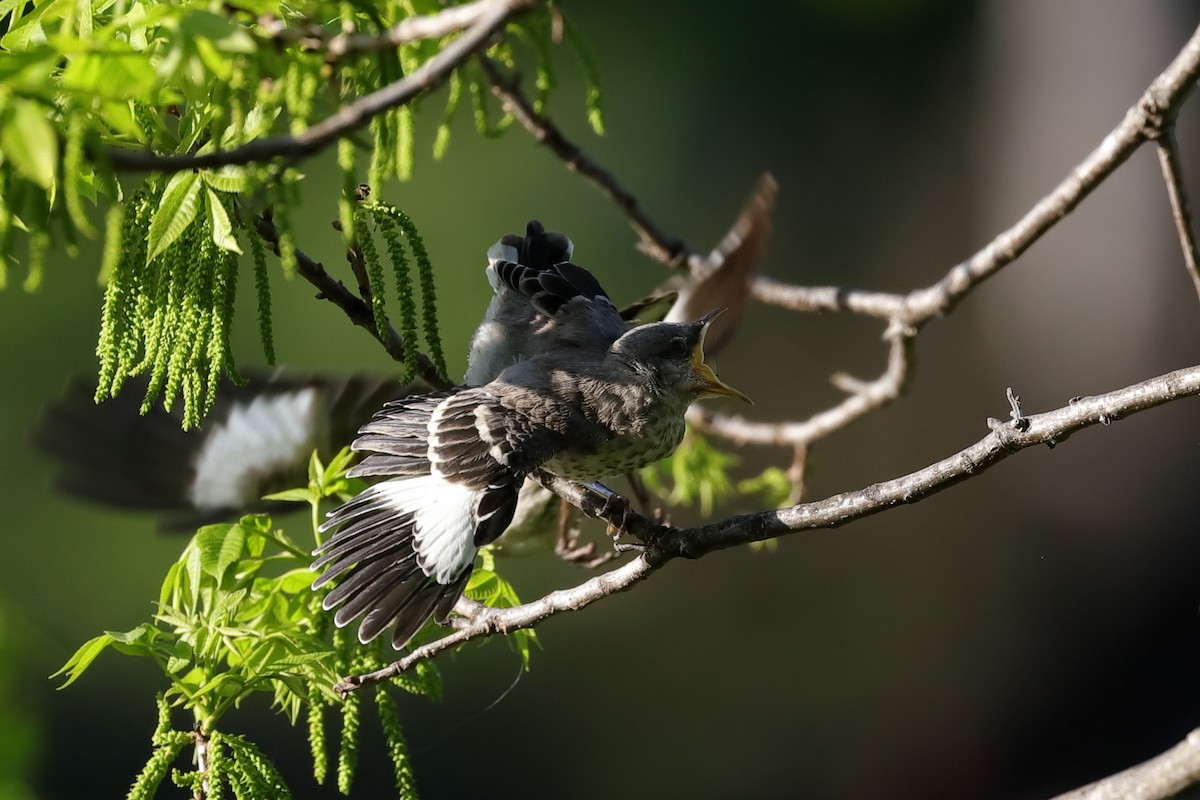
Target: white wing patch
x,y
258,438
443,522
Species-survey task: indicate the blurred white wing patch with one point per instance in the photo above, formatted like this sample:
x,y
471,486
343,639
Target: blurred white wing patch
x,y
264,436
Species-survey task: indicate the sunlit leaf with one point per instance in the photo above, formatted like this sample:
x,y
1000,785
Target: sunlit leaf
x,y
222,228
176,211
82,659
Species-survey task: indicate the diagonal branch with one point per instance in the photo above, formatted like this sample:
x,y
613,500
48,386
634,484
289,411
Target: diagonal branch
x,y
664,543
654,241
493,14
1172,170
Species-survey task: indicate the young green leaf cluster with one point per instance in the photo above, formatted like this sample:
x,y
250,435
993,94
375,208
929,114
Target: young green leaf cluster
x,y
82,82
486,586
172,281
237,617
699,476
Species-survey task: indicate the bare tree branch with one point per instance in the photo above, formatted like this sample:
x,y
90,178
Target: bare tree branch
x,y
1163,776
663,543
1172,170
492,15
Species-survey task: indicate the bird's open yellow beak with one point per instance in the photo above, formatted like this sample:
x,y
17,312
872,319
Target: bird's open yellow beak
x,y
713,386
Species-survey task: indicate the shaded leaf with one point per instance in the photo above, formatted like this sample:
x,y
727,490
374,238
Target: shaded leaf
x,y
29,142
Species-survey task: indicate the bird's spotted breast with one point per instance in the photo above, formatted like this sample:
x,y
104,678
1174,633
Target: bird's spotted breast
x,y
620,455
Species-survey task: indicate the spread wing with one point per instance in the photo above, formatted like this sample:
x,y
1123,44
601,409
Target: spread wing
x,y
404,548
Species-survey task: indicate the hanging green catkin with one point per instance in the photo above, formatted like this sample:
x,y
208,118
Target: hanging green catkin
x,y
118,300
404,287
220,349
404,142
163,728
39,244
73,172
140,311
591,77
374,270
429,317
148,780
377,168
256,769
171,271
262,288
453,95
285,196
348,748
397,747
316,734
191,328
218,766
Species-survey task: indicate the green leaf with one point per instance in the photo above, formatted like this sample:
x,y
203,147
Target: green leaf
x,y
170,584
296,581
82,659
222,229
176,210
226,35
29,142
229,178
220,546
290,496
137,642
113,75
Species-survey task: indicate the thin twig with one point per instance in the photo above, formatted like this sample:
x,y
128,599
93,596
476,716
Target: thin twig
x,y
664,543
1172,170
358,311
348,118
863,398
667,249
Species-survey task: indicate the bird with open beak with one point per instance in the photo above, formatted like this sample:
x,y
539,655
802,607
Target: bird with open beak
x,y
589,397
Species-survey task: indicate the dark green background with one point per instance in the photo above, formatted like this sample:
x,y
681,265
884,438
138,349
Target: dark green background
x,y
1025,632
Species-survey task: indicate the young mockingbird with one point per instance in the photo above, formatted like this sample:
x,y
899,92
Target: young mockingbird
x,y
562,384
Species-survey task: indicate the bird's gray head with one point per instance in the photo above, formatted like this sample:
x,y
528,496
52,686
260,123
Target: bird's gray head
x,y
672,353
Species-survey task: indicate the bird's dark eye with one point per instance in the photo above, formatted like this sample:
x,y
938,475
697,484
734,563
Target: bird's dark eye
x,y
677,347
